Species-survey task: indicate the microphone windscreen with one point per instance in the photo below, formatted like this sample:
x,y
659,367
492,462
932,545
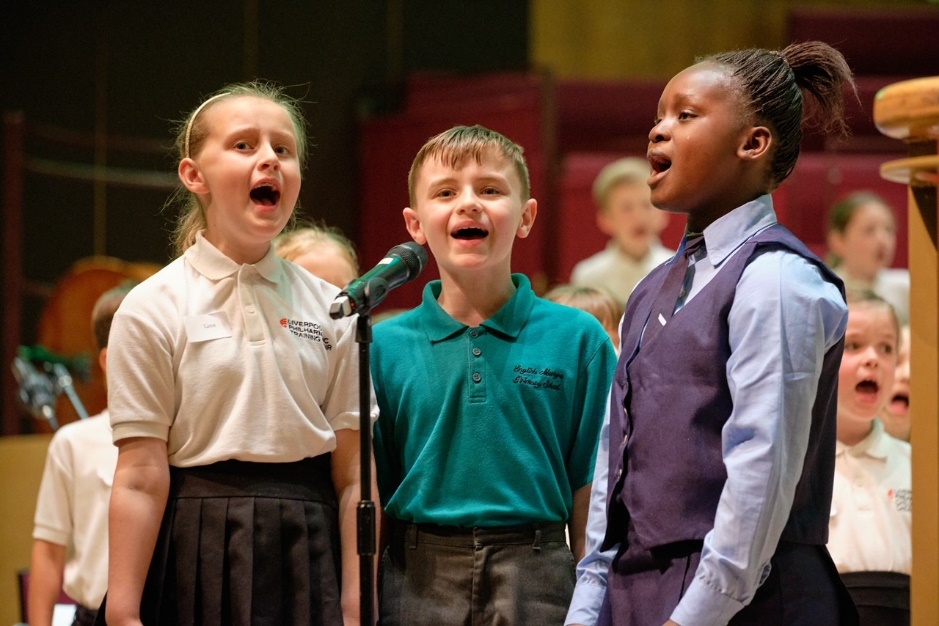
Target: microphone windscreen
x,y
413,255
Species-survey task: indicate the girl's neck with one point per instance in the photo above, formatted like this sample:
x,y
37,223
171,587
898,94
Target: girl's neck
x,y
704,215
241,252
472,301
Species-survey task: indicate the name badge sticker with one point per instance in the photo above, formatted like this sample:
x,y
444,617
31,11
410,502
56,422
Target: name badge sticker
x,y
206,327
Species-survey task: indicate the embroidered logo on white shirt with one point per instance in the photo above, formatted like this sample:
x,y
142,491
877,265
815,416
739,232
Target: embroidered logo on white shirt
x,y
306,330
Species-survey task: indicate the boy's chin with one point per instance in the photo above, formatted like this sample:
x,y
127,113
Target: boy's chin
x,y
633,249
866,415
464,263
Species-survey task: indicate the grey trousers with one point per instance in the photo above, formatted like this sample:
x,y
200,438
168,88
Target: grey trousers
x,y
442,576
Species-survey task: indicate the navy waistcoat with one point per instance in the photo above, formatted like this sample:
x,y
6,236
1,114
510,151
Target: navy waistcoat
x,y
670,401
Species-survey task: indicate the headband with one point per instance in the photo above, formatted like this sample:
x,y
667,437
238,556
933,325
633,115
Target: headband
x,y
195,114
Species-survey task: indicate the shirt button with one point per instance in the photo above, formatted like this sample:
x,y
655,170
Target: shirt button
x,y
477,351
249,309
477,377
474,333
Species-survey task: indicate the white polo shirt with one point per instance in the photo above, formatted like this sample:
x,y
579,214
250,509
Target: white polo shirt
x,y
871,509
229,361
72,506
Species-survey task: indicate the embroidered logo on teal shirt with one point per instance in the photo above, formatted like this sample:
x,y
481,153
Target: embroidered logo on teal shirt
x,y
538,377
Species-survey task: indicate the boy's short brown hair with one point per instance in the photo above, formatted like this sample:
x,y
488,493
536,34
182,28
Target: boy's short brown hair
x,y
453,147
633,170
104,310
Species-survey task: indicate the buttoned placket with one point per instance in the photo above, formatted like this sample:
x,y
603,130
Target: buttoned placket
x,y
246,278
477,378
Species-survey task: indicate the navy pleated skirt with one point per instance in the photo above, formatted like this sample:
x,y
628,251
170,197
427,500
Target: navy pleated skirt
x,y
247,544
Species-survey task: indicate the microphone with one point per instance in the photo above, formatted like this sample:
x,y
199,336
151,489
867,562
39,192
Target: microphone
x,y
37,391
79,365
400,265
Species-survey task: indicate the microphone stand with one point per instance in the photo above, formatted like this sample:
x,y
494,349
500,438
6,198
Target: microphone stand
x,y
371,289
365,514
376,288
63,381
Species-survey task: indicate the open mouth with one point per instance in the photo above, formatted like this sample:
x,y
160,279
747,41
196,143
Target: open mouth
x,y
867,390
470,233
659,163
265,194
899,404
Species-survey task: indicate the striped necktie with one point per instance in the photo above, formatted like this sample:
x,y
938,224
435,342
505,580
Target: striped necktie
x,y
676,285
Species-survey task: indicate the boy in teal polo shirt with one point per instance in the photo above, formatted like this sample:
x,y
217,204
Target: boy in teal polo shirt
x,y
491,404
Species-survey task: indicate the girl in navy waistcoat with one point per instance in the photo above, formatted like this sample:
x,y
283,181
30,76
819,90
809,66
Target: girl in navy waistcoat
x,y
722,434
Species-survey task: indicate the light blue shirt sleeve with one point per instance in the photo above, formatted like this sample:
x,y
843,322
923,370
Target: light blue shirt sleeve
x,y
593,568
784,319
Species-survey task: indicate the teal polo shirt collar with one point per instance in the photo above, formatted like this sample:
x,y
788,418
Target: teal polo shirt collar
x,y
508,321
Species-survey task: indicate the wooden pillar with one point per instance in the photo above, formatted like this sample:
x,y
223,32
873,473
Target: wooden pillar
x,y
909,111
12,280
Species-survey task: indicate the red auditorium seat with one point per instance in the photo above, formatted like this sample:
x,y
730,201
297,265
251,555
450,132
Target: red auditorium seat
x,y
606,116
864,135
822,178
802,202
875,41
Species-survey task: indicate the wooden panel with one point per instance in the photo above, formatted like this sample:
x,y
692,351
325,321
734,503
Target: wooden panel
x,y
908,111
637,39
21,462
924,387
12,277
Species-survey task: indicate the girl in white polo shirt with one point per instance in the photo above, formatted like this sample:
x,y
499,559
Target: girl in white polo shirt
x,y
234,398
871,508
